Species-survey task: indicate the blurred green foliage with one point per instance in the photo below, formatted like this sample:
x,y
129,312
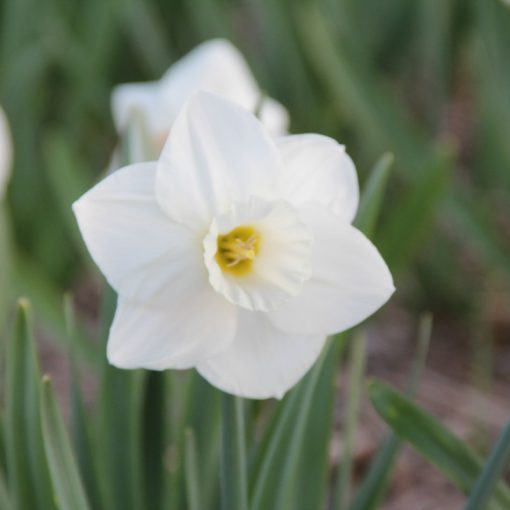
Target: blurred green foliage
x,y
152,439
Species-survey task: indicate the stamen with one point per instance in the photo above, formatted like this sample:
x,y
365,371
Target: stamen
x,y
237,250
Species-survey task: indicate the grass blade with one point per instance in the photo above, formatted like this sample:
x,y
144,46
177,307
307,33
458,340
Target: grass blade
x,y
79,419
30,281
148,36
203,416
357,369
5,502
284,498
5,263
69,490
234,468
423,343
454,458
120,430
153,438
314,465
357,93
371,491
119,415
491,473
181,398
413,215
273,461
269,454
17,449
67,181
27,467
373,194
191,467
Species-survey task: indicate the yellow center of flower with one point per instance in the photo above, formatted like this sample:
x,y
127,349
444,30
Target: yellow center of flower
x,y
237,250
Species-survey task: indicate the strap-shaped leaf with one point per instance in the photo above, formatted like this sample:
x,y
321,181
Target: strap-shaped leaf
x,y
5,501
357,360
454,458
234,482
373,194
492,472
281,459
373,486
26,463
67,484
193,492
80,421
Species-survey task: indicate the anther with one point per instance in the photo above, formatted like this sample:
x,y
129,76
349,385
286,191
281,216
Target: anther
x,y
238,249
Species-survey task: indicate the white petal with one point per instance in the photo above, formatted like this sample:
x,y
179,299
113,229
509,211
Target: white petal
x,y
274,116
214,66
317,169
177,336
282,264
5,153
217,66
349,282
141,252
261,362
217,154
144,99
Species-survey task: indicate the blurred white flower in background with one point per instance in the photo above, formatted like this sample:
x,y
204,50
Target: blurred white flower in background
x,y
234,253
5,153
215,66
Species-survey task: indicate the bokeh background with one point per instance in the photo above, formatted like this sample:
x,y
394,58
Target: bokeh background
x,y
425,80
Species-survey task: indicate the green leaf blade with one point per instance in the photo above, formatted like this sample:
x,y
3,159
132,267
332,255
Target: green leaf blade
x,y
491,473
68,487
234,469
454,458
191,468
26,462
373,194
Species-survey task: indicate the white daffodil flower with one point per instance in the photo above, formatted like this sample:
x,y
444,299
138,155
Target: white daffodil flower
x,y
234,253
215,66
5,153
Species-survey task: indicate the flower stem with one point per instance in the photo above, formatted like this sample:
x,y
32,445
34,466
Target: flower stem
x,y
234,487
356,383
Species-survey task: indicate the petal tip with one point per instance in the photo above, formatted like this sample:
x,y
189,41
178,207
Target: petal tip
x,y
115,359
76,206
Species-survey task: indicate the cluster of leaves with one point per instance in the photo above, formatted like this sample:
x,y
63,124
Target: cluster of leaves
x,y
166,440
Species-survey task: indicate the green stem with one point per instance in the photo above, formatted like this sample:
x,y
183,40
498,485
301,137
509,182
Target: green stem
x,y
191,468
234,486
357,370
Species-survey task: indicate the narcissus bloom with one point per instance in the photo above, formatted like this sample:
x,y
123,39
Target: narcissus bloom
x,y
234,253
5,153
215,66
